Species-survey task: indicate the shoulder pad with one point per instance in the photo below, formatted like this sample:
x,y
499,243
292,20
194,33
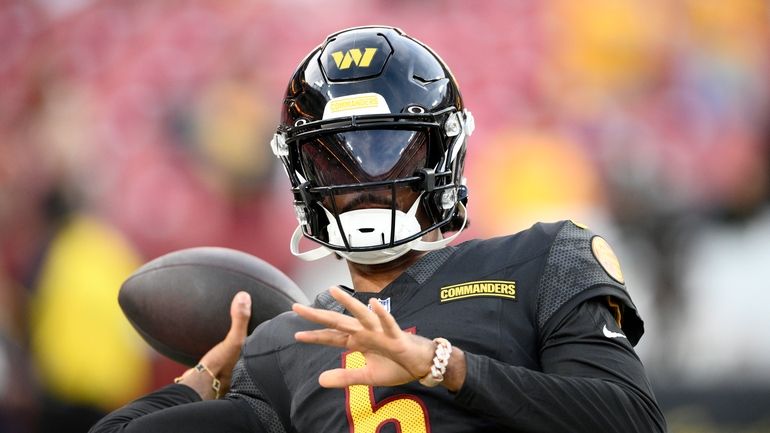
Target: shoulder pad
x,y
510,249
581,265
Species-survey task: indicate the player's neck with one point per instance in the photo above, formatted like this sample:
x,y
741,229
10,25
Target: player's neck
x,y
374,278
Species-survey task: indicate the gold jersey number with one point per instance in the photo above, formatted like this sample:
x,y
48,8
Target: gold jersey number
x,y
366,415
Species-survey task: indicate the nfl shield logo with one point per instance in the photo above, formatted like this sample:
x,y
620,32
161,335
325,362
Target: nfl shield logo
x,y
385,303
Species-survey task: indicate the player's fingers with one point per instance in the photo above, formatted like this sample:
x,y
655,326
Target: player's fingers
x,y
387,321
341,377
357,308
328,337
240,312
329,319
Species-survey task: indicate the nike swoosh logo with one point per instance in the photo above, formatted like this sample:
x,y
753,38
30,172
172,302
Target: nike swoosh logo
x,y
612,334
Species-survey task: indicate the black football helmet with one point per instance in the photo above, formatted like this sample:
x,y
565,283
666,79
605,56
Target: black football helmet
x,y
370,113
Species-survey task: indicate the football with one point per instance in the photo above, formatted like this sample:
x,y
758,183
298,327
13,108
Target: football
x,y
180,302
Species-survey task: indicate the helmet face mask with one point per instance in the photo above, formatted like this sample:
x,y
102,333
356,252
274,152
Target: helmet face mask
x,y
373,137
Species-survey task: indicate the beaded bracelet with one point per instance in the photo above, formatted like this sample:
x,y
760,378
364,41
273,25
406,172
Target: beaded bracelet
x,y
440,361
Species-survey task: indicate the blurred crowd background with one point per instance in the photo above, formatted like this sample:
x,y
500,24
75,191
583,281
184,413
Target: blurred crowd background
x,y
129,129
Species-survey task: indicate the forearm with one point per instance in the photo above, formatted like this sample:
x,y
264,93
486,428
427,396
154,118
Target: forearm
x,y
177,408
532,401
588,382
166,397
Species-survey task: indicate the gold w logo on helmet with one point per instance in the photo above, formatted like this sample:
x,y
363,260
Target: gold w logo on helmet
x,y
353,56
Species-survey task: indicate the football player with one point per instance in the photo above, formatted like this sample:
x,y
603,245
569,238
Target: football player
x,y
532,332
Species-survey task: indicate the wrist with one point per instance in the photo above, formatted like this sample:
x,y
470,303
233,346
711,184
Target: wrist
x,y
440,359
453,372
202,380
454,377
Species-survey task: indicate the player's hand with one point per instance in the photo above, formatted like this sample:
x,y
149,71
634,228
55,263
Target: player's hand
x,y
222,358
393,356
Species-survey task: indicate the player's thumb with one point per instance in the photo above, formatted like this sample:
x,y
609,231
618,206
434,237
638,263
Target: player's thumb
x,y
240,312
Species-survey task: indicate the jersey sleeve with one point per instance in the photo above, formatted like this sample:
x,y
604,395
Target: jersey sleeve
x,y
590,382
581,265
178,408
243,388
267,383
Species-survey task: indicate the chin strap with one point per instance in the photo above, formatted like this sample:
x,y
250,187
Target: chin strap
x,y
421,245
310,255
418,244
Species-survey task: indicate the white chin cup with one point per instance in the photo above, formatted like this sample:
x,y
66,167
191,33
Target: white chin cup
x,y
370,228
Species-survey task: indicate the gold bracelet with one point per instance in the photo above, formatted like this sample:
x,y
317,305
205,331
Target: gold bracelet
x,y
216,385
440,361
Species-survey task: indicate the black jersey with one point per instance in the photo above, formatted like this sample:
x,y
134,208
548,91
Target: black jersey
x,y
543,317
